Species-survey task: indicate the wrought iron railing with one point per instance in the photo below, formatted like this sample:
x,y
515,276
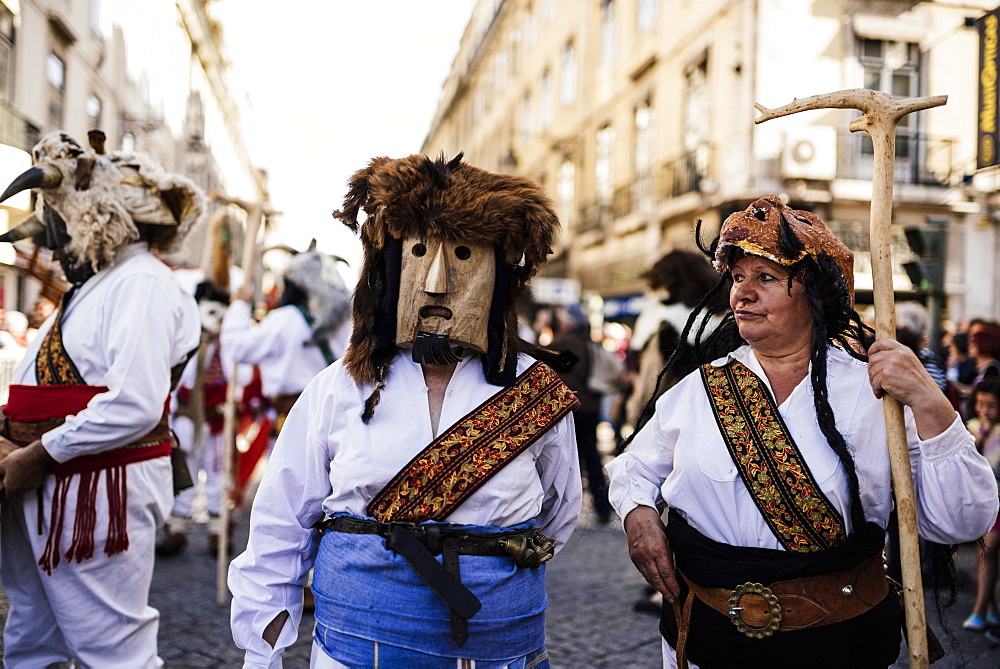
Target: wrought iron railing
x,y
15,130
920,158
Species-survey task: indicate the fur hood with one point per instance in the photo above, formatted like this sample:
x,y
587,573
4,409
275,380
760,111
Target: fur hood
x,y
451,200
102,196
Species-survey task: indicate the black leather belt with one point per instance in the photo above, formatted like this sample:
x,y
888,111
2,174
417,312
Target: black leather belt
x,y
418,544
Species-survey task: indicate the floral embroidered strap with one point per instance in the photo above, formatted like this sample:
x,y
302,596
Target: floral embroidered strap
x,y
471,451
769,462
53,366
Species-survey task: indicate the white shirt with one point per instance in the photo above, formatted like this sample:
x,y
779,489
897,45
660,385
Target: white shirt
x,y
124,328
278,346
326,460
679,459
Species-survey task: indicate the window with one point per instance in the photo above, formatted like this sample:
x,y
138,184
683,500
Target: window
x,y
548,10
94,109
55,72
566,190
602,165
894,68
6,47
95,17
648,12
567,88
526,117
642,151
530,28
501,72
545,101
609,42
128,143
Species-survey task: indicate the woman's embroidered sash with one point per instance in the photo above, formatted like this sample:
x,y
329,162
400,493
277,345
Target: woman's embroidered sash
x,y
471,451
769,462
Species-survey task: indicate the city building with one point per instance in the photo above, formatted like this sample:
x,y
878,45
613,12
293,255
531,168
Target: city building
x,y
638,118
151,75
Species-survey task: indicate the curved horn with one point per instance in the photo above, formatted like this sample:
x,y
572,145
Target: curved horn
x,y
39,176
27,228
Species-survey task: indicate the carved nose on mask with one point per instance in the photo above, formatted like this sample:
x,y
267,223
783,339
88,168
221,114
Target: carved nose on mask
x,y
436,282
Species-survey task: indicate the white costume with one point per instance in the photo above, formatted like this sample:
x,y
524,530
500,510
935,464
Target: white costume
x,y
679,460
278,345
124,329
328,461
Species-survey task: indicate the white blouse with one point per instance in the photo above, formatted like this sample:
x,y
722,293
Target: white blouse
x,y
326,460
278,346
679,460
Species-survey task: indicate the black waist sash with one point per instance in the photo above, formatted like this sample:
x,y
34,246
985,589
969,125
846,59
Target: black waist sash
x,y
869,640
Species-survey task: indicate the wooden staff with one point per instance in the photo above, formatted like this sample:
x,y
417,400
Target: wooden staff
x,y
255,212
881,113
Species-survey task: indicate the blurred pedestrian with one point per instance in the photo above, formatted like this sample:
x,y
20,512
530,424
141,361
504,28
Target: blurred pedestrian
x,y
912,324
985,427
573,334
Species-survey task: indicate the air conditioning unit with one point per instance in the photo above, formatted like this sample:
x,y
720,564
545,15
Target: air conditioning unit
x,y
810,153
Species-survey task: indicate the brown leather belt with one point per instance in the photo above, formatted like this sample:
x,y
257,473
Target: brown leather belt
x,y
758,611
431,535
25,433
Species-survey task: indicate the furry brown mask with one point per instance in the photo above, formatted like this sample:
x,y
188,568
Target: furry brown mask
x,y
448,200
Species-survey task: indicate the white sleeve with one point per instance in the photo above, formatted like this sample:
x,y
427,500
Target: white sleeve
x,y
139,359
269,576
558,469
955,487
637,474
245,342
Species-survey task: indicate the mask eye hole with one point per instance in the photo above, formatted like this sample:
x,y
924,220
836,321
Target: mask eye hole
x,y
419,250
462,252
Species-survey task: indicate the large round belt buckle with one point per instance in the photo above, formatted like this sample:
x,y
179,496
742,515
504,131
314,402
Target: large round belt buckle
x,y
754,590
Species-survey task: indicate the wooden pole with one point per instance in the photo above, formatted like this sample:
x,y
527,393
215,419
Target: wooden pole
x,y
255,213
881,113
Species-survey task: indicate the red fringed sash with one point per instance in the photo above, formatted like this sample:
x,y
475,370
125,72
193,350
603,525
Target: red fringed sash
x,y
62,392
471,451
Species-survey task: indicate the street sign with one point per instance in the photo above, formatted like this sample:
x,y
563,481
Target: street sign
x,y
554,291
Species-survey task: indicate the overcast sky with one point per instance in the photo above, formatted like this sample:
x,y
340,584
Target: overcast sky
x,y
330,84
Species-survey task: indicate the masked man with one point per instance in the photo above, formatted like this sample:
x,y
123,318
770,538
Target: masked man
x,y
90,480
431,472
292,343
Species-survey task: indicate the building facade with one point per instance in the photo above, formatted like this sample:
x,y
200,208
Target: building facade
x,y
151,75
638,118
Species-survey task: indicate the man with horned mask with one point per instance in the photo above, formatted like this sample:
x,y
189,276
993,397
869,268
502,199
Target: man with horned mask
x,y
87,477
429,473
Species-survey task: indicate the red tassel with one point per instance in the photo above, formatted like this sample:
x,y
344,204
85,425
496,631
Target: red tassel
x,y
51,555
117,541
85,522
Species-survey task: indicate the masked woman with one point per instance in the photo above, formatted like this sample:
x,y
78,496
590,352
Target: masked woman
x,y
772,460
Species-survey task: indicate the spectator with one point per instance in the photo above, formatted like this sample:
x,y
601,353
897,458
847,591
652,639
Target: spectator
x,y
912,322
985,427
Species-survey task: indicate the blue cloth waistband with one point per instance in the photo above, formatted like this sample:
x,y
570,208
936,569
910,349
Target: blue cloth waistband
x,y
364,590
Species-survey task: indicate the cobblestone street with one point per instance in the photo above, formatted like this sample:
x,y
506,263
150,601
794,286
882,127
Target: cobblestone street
x,y
590,621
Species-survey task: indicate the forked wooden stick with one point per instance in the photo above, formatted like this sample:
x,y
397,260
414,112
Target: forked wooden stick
x,y
255,213
881,113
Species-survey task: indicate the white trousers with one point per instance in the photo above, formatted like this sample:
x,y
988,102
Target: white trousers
x,y
97,611
208,458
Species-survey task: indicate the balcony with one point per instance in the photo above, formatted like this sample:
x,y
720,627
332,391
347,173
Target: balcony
x,y
920,159
683,174
15,130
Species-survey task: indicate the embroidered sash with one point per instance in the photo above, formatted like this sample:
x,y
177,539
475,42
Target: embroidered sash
x,y
777,477
471,451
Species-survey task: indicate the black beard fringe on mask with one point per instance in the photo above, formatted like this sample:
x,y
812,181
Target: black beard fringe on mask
x,y
434,349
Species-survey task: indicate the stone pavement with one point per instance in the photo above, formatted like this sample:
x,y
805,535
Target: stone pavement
x,y
590,622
